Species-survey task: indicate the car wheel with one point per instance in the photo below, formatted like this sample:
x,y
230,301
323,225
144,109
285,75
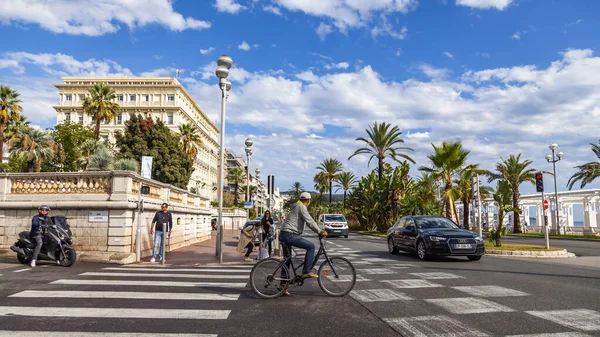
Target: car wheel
x,y
346,236
422,250
474,257
391,248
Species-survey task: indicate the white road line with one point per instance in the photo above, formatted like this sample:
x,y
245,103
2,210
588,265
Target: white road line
x,y
378,259
207,276
580,319
361,262
468,305
490,291
179,270
1,274
436,276
377,271
410,284
556,334
425,326
114,313
403,266
20,270
127,295
379,295
152,283
6,333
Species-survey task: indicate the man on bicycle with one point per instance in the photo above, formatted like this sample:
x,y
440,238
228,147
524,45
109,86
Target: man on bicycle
x,y
291,231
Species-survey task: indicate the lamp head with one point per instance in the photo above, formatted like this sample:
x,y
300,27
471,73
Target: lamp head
x,y
560,155
257,171
548,157
222,72
248,142
225,60
228,85
553,146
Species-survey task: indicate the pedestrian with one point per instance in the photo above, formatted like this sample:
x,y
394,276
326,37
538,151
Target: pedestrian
x,y
268,232
37,222
163,220
213,224
247,240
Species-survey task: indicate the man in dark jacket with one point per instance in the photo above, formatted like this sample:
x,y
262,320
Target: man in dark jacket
x,y
163,220
37,222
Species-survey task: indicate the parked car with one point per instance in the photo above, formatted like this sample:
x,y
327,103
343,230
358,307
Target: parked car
x,y
429,236
334,224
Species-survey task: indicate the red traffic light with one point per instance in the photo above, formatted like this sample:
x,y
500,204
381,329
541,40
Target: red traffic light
x,y
539,176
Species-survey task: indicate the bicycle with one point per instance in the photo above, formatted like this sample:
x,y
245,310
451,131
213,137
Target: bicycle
x,y
269,278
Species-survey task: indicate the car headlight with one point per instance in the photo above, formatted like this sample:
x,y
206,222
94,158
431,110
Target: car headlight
x,y
478,238
437,238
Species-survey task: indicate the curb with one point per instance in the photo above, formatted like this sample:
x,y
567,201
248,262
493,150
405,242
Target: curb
x,y
369,235
557,254
89,256
553,238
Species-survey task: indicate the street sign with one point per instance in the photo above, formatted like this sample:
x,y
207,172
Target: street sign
x,y
98,216
546,204
146,171
247,204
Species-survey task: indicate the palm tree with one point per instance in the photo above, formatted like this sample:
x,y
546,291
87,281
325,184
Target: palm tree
x,y
515,172
99,104
191,140
587,172
87,150
321,183
345,181
297,188
502,197
10,111
446,161
465,185
330,168
382,141
33,146
236,176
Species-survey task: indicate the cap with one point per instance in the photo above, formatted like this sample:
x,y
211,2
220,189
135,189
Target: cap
x,y
304,196
43,208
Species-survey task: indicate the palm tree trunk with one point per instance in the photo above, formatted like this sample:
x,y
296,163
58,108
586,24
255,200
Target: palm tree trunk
x,y
97,129
447,200
466,217
345,200
516,216
1,142
380,160
330,189
455,211
236,202
499,231
30,164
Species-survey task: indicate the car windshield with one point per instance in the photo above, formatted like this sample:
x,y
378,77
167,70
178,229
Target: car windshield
x,y
339,218
429,223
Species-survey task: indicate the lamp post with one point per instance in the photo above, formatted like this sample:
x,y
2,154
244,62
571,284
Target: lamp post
x,y
258,195
553,158
224,63
248,143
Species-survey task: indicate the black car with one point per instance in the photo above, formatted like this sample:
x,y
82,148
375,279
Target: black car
x,y
434,236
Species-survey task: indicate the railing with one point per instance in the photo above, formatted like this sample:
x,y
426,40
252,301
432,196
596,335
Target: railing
x,y
60,184
175,196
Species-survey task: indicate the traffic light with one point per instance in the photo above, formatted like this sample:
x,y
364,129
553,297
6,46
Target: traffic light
x,y
539,182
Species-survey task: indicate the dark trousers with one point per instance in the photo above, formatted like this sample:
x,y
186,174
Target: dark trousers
x,y
250,246
38,246
295,240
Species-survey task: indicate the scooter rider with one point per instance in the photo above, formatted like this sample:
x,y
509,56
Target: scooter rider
x,y
37,222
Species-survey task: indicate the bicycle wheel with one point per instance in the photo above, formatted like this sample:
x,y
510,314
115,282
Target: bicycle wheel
x,y
266,280
337,276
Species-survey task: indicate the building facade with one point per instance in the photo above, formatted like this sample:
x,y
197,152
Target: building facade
x,y
161,98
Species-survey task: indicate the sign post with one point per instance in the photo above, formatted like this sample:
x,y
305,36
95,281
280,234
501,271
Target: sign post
x,y
146,172
546,235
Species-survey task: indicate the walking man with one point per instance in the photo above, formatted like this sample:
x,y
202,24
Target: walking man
x,y
163,221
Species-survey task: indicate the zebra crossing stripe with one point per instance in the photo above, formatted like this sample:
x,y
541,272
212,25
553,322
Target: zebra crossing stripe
x,y
151,283
114,313
211,270
208,276
127,295
5,333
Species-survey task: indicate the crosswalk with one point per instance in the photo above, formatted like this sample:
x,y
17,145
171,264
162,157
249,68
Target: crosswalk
x,y
155,296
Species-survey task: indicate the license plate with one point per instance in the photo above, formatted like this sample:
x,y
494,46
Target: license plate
x,y
337,231
462,246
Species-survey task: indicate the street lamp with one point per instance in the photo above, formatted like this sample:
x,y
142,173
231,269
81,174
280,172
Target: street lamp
x,y
553,158
248,143
224,63
258,195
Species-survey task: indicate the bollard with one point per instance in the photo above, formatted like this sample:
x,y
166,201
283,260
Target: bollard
x,y
164,243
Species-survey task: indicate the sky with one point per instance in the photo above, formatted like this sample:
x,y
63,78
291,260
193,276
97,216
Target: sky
x,y
309,76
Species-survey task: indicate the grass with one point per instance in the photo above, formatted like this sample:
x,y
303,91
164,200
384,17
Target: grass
x,y
593,237
512,247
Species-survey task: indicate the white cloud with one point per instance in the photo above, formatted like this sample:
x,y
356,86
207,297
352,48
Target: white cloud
x,y
448,55
207,51
323,30
517,36
399,52
229,6
272,9
483,55
385,28
418,135
308,76
158,57
65,65
244,46
314,136
12,65
485,4
341,65
161,72
433,72
96,18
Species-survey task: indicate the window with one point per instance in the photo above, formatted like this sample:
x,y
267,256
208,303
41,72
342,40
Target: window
x,y
147,98
68,117
335,218
120,119
132,98
68,97
80,119
120,98
170,118
171,98
435,222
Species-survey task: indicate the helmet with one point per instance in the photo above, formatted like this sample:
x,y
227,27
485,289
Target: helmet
x,y
304,196
44,208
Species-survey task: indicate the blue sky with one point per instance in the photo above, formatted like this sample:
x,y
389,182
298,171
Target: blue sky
x,y
309,76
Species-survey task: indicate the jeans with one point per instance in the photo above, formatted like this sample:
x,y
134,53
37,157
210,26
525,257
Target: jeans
x,y
295,240
158,243
38,246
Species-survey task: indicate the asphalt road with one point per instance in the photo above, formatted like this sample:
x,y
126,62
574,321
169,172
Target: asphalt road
x,y
577,247
396,295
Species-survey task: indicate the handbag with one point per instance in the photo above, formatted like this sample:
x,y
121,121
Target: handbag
x,y
264,254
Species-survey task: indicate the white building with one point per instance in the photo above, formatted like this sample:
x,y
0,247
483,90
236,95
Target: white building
x,y
161,98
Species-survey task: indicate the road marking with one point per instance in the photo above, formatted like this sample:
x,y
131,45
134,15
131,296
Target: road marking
x,y
361,262
436,276
557,334
403,266
378,259
469,305
379,295
348,278
178,270
416,283
20,270
151,283
128,295
208,276
377,271
490,291
6,333
114,313
581,319
430,326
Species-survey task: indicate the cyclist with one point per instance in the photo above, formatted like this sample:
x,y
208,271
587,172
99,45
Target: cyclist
x,y
291,231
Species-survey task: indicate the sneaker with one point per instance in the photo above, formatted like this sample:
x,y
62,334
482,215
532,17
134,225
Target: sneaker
x,y
152,260
310,275
32,264
247,259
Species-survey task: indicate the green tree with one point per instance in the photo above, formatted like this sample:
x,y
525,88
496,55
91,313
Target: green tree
x,y
236,176
101,160
588,172
345,181
10,111
330,168
297,188
321,183
383,141
34,146
464,182
127,165
71,136
191,140
502,197
100,105
515,172
144,137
